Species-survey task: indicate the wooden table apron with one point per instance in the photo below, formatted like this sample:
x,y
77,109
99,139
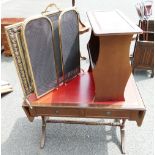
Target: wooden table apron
x,y
81,112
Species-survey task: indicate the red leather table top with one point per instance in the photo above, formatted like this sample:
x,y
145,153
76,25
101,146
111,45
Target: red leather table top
x,y
80,92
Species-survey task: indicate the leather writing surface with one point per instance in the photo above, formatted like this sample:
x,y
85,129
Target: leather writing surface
x,y
80,92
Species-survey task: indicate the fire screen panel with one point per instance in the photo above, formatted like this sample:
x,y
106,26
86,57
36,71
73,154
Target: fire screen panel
x,y
69,41
38,39
54,17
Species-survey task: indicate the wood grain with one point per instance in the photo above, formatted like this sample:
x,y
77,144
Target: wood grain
x,y
112,69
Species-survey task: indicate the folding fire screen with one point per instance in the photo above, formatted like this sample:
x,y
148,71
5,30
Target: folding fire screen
x,y
69,43
66,40
58,58
38,37
46,50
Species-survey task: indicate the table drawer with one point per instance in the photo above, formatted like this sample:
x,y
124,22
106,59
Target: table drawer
x,y
107,113
59,111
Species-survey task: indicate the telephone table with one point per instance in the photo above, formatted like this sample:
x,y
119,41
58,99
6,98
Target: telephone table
x,y
108,47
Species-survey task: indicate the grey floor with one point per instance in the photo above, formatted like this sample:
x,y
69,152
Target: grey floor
x,y
20,137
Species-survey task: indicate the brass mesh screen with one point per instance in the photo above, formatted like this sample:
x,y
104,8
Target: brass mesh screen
x,y
38,35
69,30
55,19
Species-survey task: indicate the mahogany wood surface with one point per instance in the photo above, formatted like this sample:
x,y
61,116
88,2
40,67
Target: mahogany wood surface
x,y
76,99
6,22
112,70
111,23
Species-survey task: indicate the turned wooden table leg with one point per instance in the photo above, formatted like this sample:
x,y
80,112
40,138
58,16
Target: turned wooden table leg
x,y
43,134
122,129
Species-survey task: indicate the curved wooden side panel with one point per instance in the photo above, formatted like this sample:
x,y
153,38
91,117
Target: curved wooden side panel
x,y
112,69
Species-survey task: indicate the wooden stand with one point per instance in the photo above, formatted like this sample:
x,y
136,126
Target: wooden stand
x,y
112,69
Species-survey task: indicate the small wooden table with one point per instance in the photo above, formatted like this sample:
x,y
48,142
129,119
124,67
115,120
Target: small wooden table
x,y
76,100
113,32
